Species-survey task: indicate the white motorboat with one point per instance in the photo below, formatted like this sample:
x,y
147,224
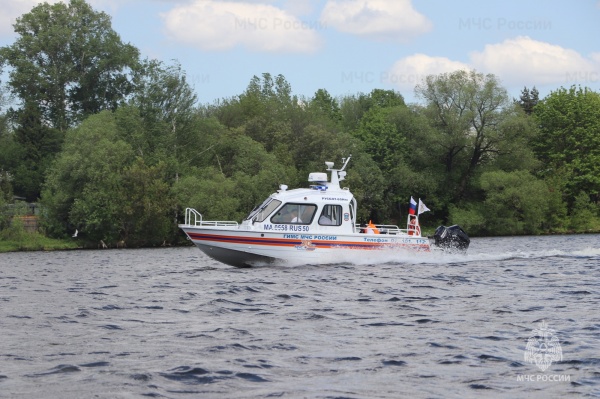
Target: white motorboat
x,y
312,225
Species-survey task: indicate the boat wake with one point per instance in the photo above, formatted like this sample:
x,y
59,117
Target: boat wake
x,y
472,256
541,254
399,257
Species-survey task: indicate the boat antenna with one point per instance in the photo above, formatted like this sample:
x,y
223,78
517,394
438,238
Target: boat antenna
x,y
345,161
338,175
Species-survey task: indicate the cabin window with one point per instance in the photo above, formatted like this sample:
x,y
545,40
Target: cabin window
x,y
294,214
257,208
331,215
260,213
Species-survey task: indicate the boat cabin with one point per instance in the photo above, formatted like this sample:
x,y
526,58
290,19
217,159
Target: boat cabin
x,y
323,207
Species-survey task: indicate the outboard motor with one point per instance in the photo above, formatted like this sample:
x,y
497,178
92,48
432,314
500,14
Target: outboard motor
x,y
453,238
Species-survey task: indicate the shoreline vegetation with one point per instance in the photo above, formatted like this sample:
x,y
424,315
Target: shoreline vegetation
x,y
37,242
17,239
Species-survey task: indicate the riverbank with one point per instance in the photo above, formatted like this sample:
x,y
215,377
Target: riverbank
x,y
17,237
36,242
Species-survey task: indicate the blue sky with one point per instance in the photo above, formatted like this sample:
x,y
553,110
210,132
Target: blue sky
x,y
352,46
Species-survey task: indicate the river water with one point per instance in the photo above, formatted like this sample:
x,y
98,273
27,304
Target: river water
x,y
172,323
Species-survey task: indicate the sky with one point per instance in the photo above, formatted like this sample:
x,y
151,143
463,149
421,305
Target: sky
x,y
354,46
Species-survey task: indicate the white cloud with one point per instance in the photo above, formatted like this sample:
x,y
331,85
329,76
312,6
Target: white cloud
x,y
213,25
299,7
395,20
410,71
517,62
522,60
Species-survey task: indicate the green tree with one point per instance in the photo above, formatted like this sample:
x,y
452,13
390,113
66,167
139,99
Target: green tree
x,y
6,189
84,189
148,209
10,155
37,146
253,170
584,216
512,141
282,117
381,138
69,61
372,120
514,202
568,144
529,99
9,151
239,165
211,193
99,187
352,108
416,171
384,98
4,102
467,109
322,104
368,187
318,144
266,109
166,104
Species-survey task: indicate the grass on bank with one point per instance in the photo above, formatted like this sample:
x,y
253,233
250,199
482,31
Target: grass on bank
x,y
16,238
36,242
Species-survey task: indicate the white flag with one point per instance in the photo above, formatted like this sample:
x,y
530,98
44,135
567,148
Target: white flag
x,y
422,207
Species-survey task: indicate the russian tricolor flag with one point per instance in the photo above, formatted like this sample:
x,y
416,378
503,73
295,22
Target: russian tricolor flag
x,y
413,206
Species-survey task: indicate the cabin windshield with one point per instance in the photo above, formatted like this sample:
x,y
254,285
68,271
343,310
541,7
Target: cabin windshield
x,y
295,213
260,213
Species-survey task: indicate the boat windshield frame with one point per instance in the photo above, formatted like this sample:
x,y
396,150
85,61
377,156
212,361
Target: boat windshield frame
x,y
260,213
331,215
305,213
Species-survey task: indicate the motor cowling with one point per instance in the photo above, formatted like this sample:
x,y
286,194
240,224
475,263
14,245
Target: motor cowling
x,y
453,238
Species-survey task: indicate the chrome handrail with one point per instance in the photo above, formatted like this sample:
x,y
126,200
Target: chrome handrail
x,y
194,218
387,229
192,214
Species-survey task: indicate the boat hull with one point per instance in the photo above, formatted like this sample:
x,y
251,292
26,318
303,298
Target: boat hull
x,y
244,248
234,257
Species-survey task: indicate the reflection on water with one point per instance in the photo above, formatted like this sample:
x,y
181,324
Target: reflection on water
x,y
173,323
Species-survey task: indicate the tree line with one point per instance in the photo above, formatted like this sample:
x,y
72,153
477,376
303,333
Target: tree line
x,y
115,146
